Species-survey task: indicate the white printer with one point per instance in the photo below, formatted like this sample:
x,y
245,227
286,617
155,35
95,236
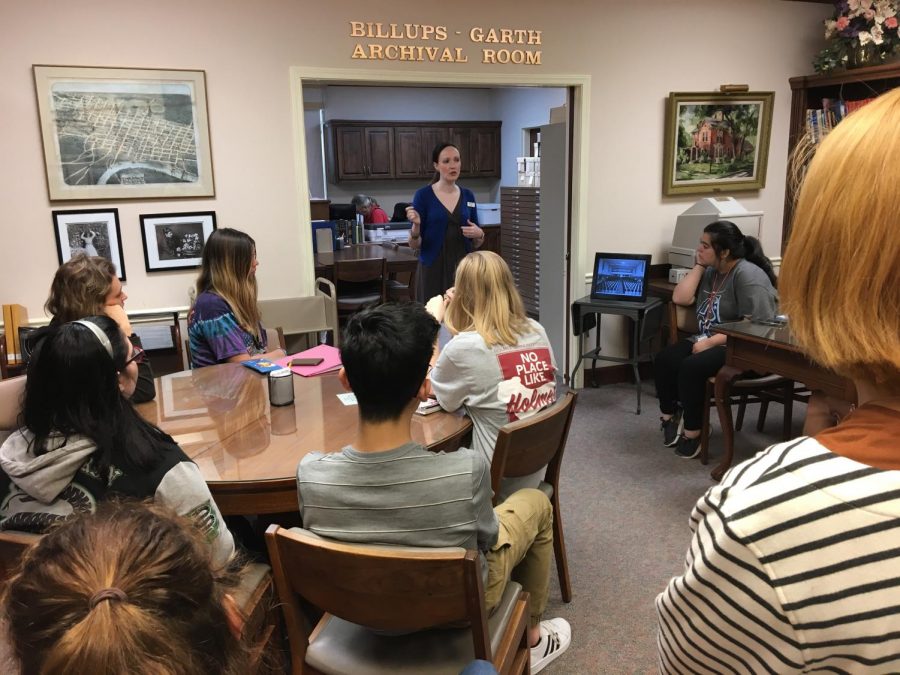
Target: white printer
x,y
689,226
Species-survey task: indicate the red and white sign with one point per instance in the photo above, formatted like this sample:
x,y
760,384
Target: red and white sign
x,y
528,381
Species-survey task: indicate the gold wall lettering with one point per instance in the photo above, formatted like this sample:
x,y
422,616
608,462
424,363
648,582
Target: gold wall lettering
x,y
378,43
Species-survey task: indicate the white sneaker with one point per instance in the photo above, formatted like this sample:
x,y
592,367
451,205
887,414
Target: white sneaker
x,y
556,635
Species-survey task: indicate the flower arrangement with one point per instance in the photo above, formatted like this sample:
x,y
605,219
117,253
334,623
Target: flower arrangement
x,y
862,32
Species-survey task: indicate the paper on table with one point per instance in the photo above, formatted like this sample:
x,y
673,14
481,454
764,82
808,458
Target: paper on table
x,y
331,360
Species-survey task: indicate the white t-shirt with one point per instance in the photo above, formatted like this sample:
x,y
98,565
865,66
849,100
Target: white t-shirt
x,y
496,385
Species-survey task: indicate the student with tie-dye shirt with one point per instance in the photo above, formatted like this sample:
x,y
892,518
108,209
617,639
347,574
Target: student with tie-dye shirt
x,y
224,323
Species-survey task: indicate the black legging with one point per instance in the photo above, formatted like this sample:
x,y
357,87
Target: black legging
x,y
681,377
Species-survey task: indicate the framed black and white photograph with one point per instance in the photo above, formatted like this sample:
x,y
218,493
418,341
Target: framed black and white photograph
x,y
124,133
174,241
89,232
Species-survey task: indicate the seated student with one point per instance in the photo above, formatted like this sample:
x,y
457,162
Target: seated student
x,y
224,323
129,589
371,212
88,286
372,492
83,442
793,564
732,279
499,365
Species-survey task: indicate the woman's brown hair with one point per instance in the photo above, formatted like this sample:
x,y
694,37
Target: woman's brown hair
x,y
130,589
79,288
840,278
225,270
486,301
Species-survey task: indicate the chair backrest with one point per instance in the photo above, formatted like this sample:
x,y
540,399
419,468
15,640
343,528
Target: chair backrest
x,y
309,314
11,392
360,271
326,290
381,587
399,215
13,546
686,319
275,338
525,446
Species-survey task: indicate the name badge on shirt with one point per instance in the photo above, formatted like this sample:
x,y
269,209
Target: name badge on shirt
x,y
471,205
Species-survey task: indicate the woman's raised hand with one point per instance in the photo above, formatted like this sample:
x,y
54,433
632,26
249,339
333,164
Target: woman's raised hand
x,y
413,216
117,314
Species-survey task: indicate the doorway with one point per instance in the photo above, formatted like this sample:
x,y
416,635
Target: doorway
x,y
575,262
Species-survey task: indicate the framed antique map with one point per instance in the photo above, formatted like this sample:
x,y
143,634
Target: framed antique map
x,y
122,133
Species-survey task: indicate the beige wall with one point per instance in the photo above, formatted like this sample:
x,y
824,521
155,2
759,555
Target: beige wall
x,y
635,53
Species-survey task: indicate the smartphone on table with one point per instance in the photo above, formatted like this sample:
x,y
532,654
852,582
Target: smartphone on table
x,y
314,361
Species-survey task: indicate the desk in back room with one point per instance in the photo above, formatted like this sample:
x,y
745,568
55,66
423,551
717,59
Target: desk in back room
x,y
399,258
248,451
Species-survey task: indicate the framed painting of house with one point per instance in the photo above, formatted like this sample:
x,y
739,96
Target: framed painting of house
x,y
716,142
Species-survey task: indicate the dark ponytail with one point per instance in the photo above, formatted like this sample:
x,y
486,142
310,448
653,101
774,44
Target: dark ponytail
x,y
726,236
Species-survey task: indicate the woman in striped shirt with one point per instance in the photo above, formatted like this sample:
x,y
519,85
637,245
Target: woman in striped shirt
x,y
793,566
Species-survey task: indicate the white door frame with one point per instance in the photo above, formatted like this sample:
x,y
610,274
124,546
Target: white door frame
x,y
581,84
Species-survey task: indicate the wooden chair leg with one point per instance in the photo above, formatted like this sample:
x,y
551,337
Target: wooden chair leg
x,y
559,551
788,393
742,408
763,411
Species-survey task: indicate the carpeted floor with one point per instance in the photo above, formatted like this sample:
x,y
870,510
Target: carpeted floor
x,y
625,503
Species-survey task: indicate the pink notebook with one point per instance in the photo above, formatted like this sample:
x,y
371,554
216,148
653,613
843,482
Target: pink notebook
x,y
331,360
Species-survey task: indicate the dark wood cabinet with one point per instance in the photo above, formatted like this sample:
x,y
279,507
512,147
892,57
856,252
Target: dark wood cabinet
x,y
408,152
807,93
360,150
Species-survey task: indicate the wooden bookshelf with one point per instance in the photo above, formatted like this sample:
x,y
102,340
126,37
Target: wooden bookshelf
x,y
807,91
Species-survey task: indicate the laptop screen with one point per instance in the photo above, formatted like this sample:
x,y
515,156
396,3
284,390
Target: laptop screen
x,y
620,276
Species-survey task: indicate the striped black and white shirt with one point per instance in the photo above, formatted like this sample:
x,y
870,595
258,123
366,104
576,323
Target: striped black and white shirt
x,y
794,567
407,496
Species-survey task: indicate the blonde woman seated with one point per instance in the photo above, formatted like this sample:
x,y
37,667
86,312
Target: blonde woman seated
x,y
499,365
224,323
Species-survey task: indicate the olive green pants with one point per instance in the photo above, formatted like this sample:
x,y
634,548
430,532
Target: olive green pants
x,y
523,550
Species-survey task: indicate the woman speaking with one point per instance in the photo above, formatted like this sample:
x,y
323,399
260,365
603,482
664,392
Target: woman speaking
x,y
444,224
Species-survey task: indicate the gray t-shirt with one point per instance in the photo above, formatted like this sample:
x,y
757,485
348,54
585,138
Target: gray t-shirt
x,y
745,291
496,385
407,496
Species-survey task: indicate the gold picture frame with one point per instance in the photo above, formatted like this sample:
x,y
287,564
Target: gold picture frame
x,y
124,133
716,142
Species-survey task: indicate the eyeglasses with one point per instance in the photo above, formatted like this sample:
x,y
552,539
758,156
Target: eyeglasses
x,y
138,355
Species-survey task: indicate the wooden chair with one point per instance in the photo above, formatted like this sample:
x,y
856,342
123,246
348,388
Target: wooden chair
x,y
396,590
522,448
752,389
360,283
4,359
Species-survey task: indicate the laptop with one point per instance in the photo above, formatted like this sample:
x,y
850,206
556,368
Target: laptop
x,y
620,276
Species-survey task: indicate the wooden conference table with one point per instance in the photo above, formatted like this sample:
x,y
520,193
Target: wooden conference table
x,y
248,451
767,349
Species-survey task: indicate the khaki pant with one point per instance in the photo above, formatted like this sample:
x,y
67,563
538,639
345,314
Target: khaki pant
x,y
523,550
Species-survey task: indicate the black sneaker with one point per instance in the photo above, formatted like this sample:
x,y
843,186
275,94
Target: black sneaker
x,y
688,447
671,429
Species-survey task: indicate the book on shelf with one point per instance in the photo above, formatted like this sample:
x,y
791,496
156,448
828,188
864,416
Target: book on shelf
x,y
819,121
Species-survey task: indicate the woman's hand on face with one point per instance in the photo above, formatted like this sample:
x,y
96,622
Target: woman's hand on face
x,y
117,314
448,295
472,231
413,216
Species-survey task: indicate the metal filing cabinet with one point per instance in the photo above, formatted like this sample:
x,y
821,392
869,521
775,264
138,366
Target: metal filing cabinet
x,y
520,217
